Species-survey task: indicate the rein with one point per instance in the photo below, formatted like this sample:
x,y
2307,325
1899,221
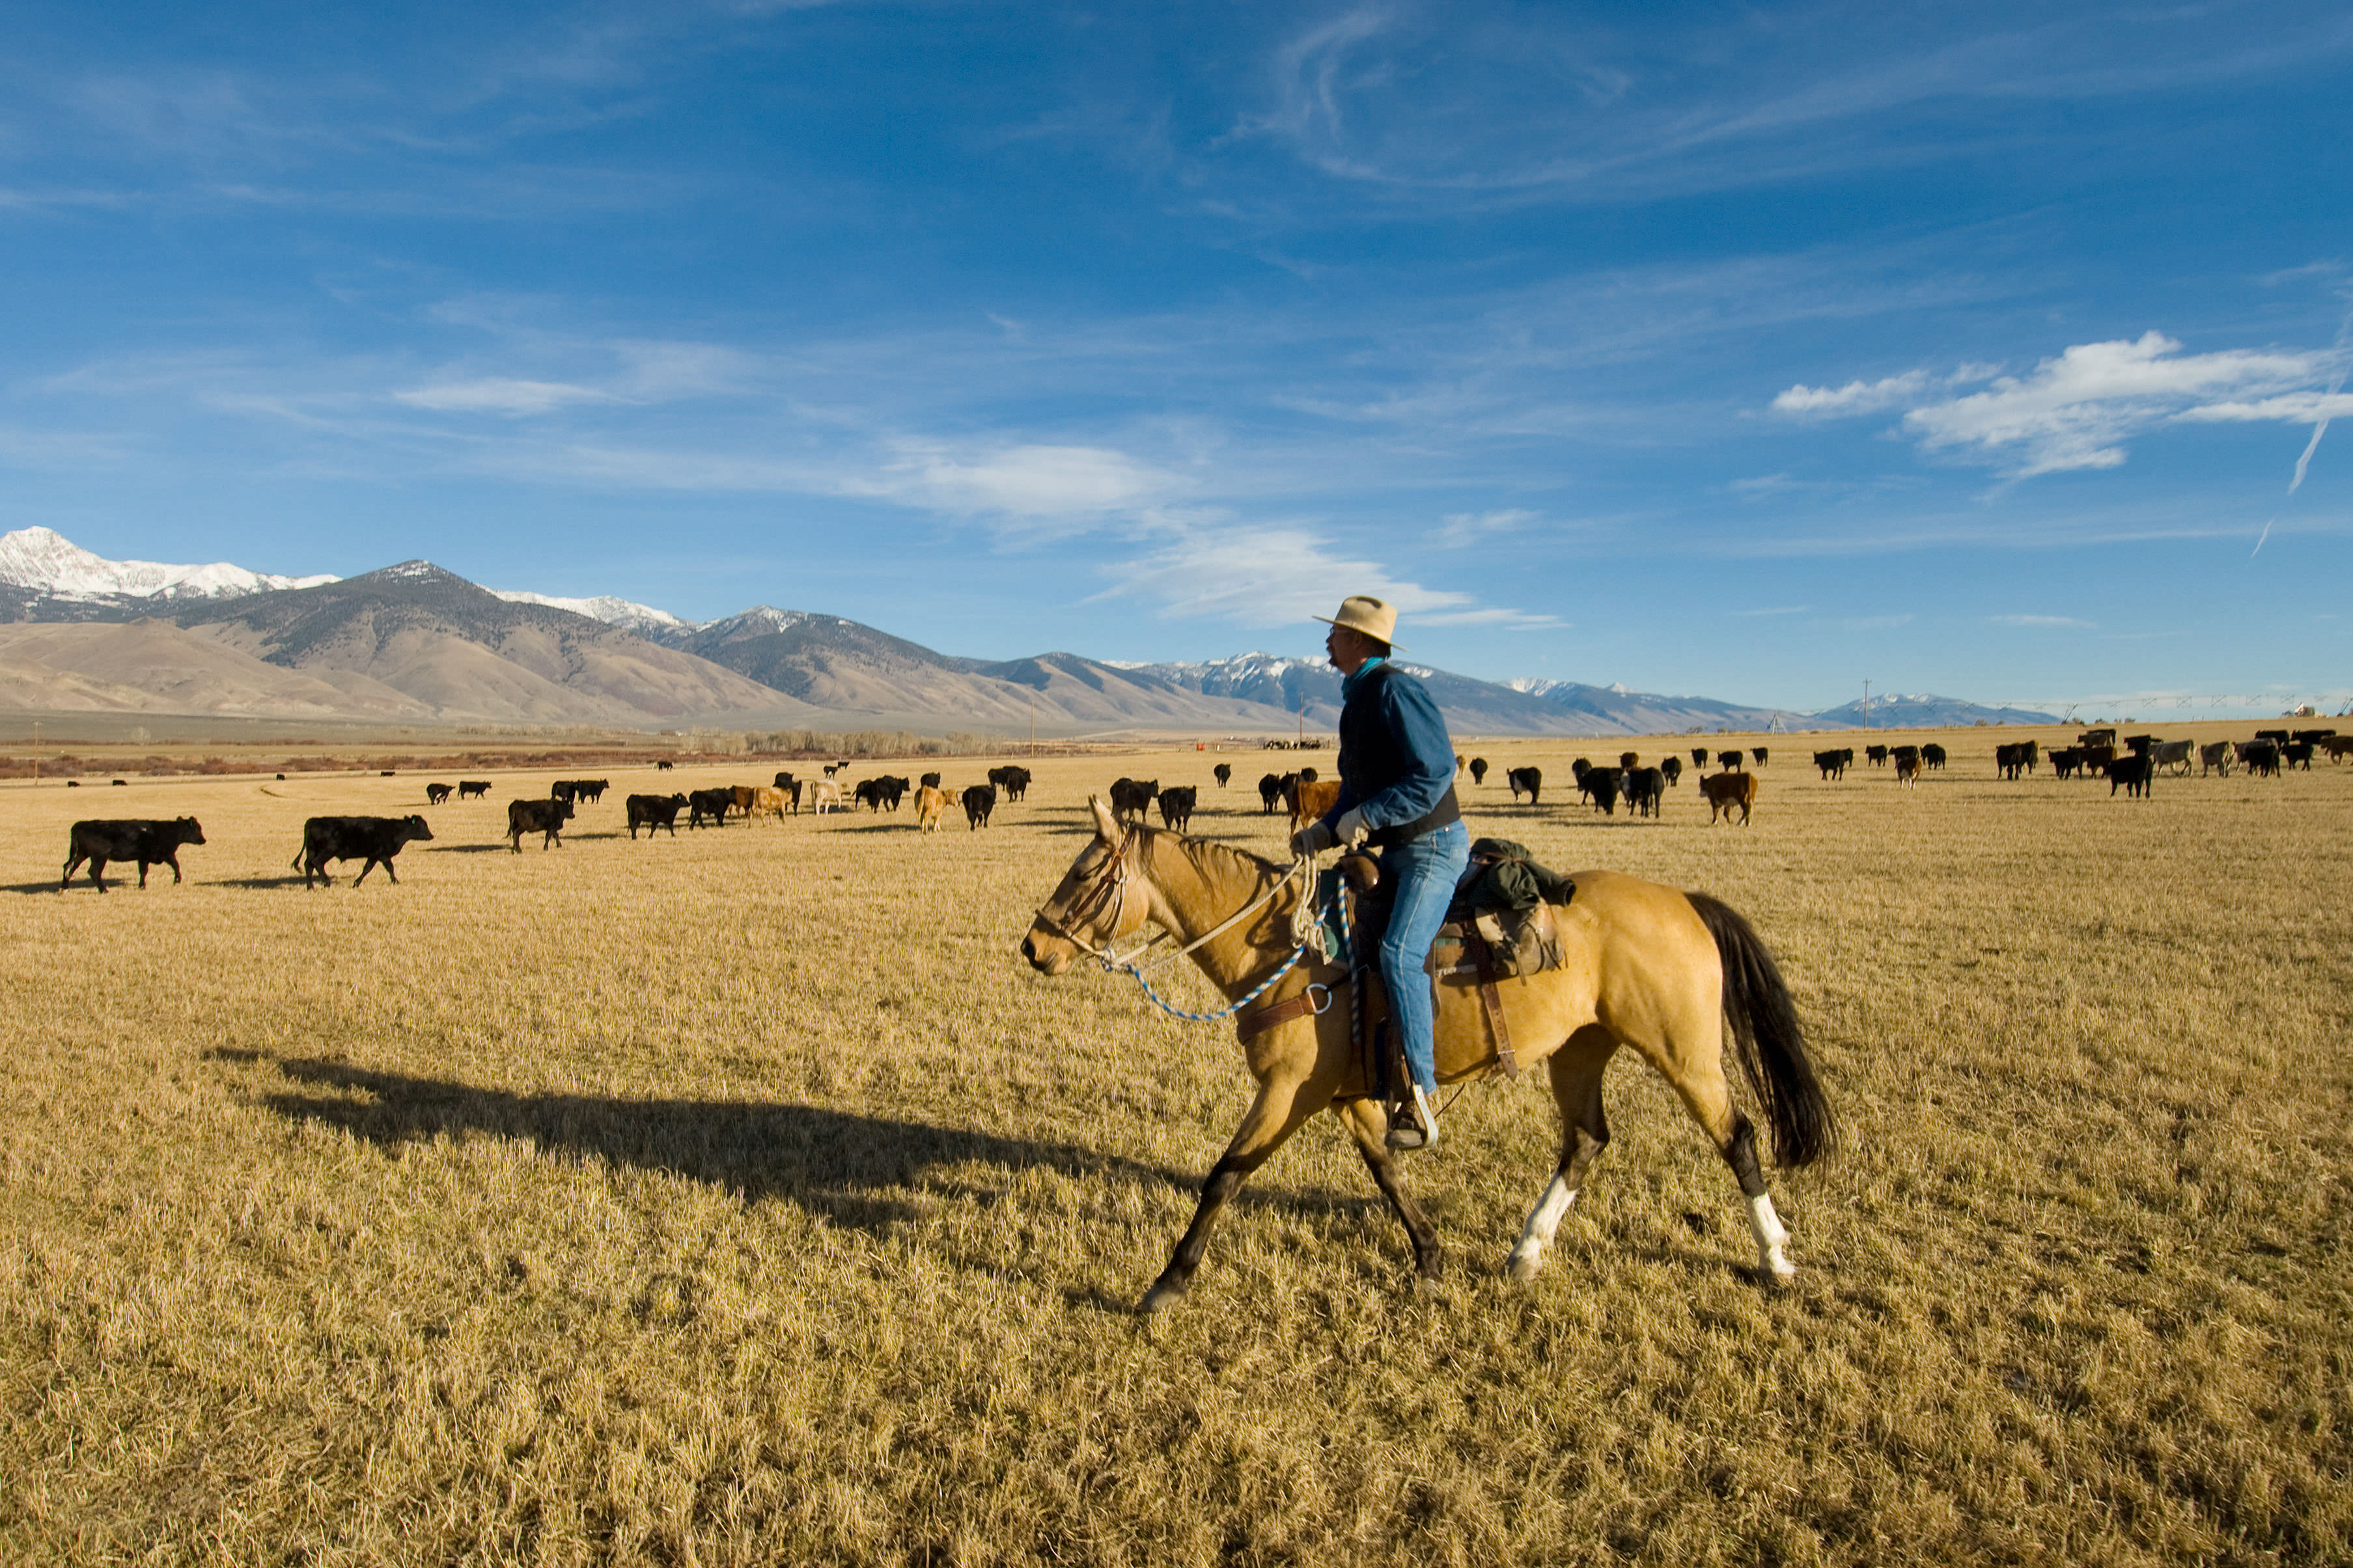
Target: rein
x,y
1110,887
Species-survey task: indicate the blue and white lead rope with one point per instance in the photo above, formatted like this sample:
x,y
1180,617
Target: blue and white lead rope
x,y
1153,996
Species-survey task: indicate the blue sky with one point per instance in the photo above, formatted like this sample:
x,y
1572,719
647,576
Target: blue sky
x,y
1746,352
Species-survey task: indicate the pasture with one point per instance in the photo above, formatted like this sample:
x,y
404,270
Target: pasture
x,y
741,1198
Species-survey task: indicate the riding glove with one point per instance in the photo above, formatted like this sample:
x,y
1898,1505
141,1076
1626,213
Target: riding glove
x,y
1350,829
1312,839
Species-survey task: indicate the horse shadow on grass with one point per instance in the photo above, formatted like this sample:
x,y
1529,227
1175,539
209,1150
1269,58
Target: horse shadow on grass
x,y
850,1169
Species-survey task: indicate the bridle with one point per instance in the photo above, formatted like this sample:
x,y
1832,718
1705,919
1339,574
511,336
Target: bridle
x,y
1109,887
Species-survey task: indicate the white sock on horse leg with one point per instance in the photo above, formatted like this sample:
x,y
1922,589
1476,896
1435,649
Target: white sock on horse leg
x,y
1771,1237
1543,1219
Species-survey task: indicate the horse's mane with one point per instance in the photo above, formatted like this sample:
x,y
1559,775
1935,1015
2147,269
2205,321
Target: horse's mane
x,y
1192,846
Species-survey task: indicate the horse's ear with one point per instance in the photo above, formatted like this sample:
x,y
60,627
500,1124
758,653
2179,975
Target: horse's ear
x,y
1105,823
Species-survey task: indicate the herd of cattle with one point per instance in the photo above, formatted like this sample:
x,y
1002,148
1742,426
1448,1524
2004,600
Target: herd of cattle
x,y
2129,763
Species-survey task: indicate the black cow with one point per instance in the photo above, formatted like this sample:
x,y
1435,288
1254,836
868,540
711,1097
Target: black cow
x,y
1011,782
565,790
467,789
2261,757
929,780
1307,775
2277,737
1130,798
2009,761
151,841
652,811
2138,745
894,790
785,782
1875,755
1645,789
1531,780
1673,766
1699,757
1932,755
545,818
664,766
2133,773
869,793
1269,790
1730,761
1601,786
1224,774
2067,762
979,800
1759,753
592,790
1831,763
1176,805
373,840
1478,770
436,794
2296,754
714,803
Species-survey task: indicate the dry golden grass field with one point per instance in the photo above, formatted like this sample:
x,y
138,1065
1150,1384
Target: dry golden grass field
x,y
741,1198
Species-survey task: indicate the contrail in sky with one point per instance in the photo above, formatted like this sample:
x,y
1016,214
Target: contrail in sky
x,y
2320,429
2266,532
2314,445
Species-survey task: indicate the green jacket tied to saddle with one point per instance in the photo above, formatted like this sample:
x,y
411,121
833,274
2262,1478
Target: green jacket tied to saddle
x,y
1502,899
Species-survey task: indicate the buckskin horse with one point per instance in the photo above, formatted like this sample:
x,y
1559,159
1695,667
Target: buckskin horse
x,y
1645,966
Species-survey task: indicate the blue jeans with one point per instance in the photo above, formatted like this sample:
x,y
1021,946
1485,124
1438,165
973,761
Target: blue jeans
x,y
1421,877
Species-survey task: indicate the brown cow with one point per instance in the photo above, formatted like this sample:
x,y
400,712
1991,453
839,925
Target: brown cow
x,y
1727,790
1311,800
931,804
1630,761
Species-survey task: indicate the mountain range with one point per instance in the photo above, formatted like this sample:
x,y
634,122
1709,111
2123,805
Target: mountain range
x,y
414,643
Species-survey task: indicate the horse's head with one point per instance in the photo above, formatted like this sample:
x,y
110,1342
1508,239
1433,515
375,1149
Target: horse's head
x,y
1092,907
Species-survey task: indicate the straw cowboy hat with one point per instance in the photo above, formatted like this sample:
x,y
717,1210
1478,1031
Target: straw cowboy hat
x,y
1374,618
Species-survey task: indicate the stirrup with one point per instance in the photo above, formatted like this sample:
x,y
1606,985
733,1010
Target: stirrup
x,y
1420,1131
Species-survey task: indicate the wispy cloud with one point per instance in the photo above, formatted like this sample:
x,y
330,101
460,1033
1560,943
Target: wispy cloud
x,y
2078,409
500,394
1855,397
1463,528
2040,621
1281,576
1022,481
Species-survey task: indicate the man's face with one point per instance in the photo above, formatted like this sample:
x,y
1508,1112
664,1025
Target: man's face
x,y
1347,648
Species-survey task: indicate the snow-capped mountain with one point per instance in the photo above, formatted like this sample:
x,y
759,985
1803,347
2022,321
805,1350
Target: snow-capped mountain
x,y
626,613
47,562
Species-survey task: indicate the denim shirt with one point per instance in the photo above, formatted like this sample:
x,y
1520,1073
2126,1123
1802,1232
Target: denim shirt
x,y
1409,715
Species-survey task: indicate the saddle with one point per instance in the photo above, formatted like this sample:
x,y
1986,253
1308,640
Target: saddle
x,y
1499,926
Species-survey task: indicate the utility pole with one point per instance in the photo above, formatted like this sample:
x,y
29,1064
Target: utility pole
x,y
36,750
1866,705
1033,723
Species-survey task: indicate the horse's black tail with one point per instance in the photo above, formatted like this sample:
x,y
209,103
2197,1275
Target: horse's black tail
x,y
1766,1033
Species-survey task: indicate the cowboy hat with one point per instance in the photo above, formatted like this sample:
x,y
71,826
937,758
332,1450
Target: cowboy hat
x,y
1368,616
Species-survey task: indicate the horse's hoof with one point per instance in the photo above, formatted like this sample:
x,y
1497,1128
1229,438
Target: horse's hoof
x,y
1523,1266
1159,1296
